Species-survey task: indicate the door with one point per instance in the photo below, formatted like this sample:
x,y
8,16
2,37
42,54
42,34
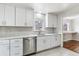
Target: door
x,y
4,47
20,16
10,15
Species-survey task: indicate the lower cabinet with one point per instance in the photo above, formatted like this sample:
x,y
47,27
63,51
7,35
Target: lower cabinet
x,y
11,47
4,47
43,43
16,47
54,41
46,42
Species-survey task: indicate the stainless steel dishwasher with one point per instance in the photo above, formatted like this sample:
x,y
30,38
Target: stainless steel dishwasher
x,y
29,45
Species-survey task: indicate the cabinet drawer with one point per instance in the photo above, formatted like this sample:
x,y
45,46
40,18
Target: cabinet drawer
x,y
16,42
16,47
4,41
17,53
4,47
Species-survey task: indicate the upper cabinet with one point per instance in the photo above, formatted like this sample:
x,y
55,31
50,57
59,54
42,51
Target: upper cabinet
x,y
16,16
51,20
29,17
20,16
24,17
1,15
9,16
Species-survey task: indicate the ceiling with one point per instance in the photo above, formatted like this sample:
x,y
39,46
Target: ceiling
x,y
47,7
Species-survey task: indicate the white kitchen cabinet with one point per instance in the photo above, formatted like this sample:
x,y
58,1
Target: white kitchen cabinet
x,y
29,17
9,16
46,42
54,41
2,21
16,47
4,47
20,16
42,43
58,40
51,20
11,47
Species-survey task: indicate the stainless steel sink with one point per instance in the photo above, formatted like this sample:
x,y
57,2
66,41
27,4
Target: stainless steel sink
x,y
41,35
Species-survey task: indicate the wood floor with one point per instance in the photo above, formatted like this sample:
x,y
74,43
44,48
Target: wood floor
x,y
72,45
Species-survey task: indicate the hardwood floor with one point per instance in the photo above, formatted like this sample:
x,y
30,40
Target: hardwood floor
x,y
72,45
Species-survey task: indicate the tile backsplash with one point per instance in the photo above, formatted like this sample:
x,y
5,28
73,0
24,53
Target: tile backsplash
x,y
15,30
21,30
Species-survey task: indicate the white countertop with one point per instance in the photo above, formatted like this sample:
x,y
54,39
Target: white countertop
x,y
19,36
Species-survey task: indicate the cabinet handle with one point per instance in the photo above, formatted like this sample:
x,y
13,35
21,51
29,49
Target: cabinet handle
x,y
56,39
4,22
44,41
17,53
25,23
17,46
16,41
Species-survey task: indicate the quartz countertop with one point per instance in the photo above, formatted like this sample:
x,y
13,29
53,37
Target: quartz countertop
x,y
17,36
20,36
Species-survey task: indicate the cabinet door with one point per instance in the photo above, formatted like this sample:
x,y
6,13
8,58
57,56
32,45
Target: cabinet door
x,y
40,43
4,47
2,21
16,47
47,42
10,15
29,17
58,40
52,41
43,43
51,20
20,17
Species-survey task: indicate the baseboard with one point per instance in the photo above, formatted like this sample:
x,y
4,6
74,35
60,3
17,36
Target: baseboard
x,y
46,49
30,54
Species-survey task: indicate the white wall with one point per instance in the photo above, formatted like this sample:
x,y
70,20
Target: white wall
x,y
67,37
68,13
71,12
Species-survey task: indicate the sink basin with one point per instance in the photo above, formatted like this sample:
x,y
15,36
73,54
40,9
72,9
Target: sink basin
x,y
41,35
45,34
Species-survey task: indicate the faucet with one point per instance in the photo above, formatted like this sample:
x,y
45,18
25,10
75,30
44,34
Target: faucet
x,y
39,32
